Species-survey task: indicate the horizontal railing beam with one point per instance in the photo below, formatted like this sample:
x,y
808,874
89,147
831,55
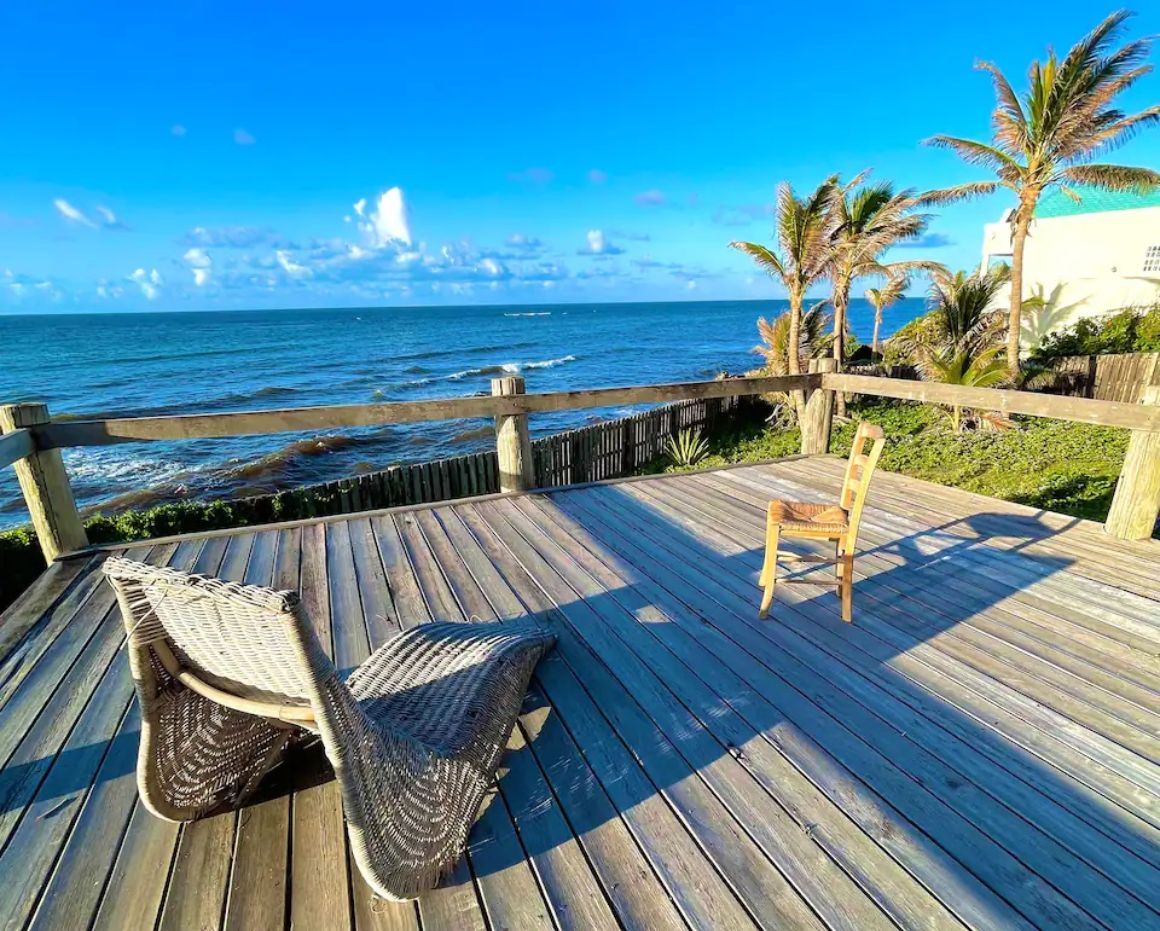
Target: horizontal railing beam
x,y
15,446
1080,410
104,432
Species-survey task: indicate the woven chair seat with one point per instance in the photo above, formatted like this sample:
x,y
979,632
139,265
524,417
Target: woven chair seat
x,y
809,517
415,734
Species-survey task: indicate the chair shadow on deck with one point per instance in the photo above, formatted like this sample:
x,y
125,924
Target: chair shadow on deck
x,y
675,651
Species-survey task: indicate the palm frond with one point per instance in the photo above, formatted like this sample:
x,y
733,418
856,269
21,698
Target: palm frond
x,y
1113,177
958,192
763,256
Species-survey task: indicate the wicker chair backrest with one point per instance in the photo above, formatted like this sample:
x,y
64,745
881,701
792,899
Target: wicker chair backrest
x,y
240,638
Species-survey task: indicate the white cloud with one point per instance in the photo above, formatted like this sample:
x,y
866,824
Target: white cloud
x,y
241,137
200,264
599,244
105,218
291,267
387,222
70,213
21,286
149,282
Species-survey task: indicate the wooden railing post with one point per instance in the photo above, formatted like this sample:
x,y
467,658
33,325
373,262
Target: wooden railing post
x,y
45,485
513,444
818,416
1136,503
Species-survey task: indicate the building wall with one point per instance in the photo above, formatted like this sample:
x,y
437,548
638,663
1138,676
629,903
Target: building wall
x,y
1084,265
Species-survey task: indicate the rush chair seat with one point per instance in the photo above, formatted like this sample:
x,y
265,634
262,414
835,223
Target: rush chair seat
x,y
229,675
835,523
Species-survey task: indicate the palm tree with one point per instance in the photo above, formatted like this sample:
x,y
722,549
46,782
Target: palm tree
x,y
804,231
959,310
962,367
1050,137
880,299
813,341
869,220
962,346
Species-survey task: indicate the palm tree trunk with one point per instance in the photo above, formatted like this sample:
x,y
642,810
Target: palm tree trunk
x,y
793,359
840,299
877,325
1015,319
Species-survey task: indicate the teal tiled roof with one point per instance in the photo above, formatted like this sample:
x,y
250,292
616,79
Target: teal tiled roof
x,y
1057,204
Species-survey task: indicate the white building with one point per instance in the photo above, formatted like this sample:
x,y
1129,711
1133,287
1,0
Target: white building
x,y
1084,259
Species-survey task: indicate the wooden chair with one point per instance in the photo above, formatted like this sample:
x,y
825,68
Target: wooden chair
x,y
836,523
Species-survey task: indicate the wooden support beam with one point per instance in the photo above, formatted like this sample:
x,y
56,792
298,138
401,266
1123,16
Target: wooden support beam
x,y
15,446
513,444
1136,503
818,415
45,485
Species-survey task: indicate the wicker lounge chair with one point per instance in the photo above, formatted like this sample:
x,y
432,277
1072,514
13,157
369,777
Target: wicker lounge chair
x,y
228,675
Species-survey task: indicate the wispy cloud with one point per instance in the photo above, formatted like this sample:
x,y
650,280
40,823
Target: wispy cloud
x,y
650,198
108,220
21,286
70,213
242,137
536,175
599,244
741,214
101,218
235,237
928,241
630,235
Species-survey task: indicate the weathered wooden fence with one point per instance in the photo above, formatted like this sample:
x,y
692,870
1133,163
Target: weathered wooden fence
x,y
1120,377
607,449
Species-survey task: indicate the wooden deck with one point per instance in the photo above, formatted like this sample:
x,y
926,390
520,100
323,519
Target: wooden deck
x,y
978,749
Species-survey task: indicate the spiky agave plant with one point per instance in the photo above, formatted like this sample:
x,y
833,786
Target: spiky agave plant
x,y
1051,136
686,448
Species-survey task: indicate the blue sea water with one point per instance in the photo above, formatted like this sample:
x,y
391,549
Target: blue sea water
x,y
173,363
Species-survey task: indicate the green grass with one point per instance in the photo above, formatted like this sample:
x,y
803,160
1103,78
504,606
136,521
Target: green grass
x,y
1066,467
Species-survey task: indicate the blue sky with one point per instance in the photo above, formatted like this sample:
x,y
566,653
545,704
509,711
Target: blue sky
x,y
212,155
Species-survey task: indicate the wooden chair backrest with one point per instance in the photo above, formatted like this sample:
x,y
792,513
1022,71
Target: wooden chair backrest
x,y
859,468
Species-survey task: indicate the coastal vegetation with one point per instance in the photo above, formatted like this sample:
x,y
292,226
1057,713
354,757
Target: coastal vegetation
x,y
1070,468
1132,329
1052,135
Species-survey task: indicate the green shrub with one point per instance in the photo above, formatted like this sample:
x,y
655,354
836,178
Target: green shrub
x,y
1132,329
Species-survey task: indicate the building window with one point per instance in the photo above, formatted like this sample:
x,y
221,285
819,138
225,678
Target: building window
x,y
1152,259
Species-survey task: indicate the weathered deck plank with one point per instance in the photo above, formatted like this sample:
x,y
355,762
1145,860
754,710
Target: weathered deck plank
x,y
979,748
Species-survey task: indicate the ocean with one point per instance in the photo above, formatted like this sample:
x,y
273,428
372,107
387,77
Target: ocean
x,y
174,363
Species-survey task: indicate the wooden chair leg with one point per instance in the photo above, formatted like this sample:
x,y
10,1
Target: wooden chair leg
x,y
847,587
769,569
838,567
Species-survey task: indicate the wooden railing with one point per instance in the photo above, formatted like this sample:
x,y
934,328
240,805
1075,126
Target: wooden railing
x,y
31,440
